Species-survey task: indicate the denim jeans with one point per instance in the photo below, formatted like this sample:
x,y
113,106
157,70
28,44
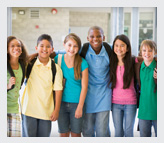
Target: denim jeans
x,y
32,127
123,119
96,124
67,121
145,127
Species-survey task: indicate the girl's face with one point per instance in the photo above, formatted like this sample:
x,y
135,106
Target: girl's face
x,y
44,49
120,48
147,54
14,48
71,47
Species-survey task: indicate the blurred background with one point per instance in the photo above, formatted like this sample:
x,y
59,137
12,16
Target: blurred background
x,y
28,23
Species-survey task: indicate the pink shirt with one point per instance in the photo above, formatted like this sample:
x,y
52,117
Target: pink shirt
x,y
120,95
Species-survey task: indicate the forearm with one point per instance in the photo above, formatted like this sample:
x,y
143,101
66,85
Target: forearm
x,y
84,83
82,97
58,97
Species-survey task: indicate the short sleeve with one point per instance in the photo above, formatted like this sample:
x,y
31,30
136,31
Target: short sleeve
x,y
84,64
58,78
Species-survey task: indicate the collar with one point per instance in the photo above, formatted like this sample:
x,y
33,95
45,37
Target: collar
x,y
102,52
152,65
38,63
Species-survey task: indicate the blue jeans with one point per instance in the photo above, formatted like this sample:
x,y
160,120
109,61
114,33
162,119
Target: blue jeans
x,y
32,127
145,127
123,119
67,121
96,124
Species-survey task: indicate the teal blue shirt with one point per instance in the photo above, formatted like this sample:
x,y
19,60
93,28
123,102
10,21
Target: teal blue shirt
x,y
72,87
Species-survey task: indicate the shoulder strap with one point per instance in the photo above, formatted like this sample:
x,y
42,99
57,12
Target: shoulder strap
x,y
11,73
59,59
23,70
107,48
86,46
29,68
84,50
53,68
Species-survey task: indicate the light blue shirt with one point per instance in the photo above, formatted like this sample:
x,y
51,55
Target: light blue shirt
x,y
99,93
72,87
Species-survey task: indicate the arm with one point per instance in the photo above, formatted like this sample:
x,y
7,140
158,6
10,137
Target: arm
x,y
55,113
84,83
58,93
11,82
32,56
155,75
140,59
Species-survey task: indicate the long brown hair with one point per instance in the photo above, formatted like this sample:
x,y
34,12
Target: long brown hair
x,y
78,59
24,55
128,64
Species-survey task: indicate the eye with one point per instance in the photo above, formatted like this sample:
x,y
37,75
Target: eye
x,y
99,36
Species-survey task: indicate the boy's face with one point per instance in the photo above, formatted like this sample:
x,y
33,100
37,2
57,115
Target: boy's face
x,y
44,49
147,54
95,38
14,48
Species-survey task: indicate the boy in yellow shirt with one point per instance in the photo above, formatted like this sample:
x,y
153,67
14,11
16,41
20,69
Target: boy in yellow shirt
x,y
37,102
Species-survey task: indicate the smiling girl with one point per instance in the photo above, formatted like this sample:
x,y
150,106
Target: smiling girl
x,y
75,71
124,98
16,56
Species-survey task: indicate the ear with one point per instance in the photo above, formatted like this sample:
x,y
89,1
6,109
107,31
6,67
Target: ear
x,y
52,49
36,48
87,38
103,38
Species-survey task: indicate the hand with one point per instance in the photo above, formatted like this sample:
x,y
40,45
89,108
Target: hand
x,y
11,82
155,73
78,112
54,115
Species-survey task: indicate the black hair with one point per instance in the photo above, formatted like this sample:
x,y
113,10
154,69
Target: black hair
x,y
45,37
127,60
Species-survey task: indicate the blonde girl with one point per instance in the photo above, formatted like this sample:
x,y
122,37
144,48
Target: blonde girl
x,y
75,72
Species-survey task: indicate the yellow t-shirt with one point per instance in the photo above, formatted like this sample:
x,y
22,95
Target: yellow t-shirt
x,y
37,99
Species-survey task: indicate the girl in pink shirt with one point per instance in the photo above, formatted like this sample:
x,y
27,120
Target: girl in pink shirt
x,y
124,100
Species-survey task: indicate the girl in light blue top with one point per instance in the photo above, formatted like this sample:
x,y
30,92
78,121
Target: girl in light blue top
x,y
75,72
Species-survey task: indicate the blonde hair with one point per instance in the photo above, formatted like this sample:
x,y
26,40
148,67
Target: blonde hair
x,y
149,43
78,59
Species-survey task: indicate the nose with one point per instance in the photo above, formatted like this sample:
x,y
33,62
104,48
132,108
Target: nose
x,y
71,48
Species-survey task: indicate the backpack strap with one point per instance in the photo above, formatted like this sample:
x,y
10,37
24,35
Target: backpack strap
x,y
23,70
29,68
59,59
108,49
84,50
53,68
11,73
86,46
